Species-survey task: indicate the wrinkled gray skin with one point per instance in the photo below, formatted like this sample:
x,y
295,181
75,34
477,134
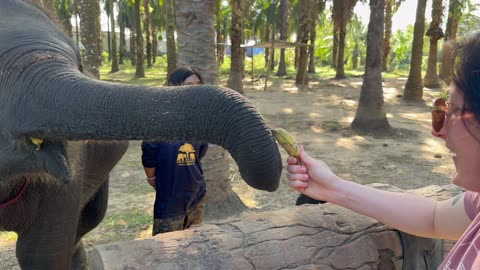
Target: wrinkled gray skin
x,y
85,124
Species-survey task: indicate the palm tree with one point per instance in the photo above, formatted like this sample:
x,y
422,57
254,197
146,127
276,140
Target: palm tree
x,y
283,14
196,48
122,21
113,36
304,24
391,7
148,31
263,19
127,20
222,24
171,45
435,33
342,12
139,69
371,116
454,15
159,22
235,78
414,86
320,6
90,34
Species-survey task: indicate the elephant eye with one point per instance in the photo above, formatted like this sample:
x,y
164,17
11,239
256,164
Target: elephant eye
x,y
80,67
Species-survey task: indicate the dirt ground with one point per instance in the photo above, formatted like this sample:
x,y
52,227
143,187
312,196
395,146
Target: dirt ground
x,y
318,117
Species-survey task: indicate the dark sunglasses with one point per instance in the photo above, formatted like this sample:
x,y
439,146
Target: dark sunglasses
x,y
440,110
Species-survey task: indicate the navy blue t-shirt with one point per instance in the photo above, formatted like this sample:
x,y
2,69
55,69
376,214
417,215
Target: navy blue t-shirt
x,y
180,183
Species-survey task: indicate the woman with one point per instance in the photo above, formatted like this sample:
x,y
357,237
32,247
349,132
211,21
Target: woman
x,y
457,123
175,171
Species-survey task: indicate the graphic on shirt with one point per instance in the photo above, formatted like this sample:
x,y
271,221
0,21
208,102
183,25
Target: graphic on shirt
x,y
186,155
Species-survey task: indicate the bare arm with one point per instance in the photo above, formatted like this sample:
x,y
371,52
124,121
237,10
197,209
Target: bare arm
x,y
407,212
150,172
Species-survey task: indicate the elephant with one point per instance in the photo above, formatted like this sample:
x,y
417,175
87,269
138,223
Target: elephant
x,y
62,132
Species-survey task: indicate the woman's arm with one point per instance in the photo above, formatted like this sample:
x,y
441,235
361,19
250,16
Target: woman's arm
x,y
410,213
406,212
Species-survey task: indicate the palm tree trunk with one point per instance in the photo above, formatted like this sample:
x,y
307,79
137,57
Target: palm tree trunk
x,y
123,47
342,32
371,116
49,7
154,43
148,32
220,47
304,24
139,70
335,34
90,34
67,26
454,16
114,55
283,11
235,78
435,33
196,48
311,50
171,45
388,34
414,86
133,46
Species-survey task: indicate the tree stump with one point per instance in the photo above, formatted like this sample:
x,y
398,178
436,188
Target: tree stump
x,y
222,201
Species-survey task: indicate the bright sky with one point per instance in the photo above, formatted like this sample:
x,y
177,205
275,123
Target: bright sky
x,y
404,16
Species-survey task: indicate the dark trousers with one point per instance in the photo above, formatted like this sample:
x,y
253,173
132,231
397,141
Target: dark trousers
x,y
192,217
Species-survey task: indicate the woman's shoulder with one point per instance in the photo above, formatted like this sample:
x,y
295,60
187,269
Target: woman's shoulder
x,y
472,203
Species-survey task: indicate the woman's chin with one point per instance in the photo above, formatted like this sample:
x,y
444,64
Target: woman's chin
x,y
456,179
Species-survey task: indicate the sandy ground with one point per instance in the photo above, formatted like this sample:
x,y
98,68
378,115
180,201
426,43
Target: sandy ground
x,y
318,117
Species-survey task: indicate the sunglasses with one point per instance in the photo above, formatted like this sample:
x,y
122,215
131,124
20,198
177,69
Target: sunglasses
x,y
440,110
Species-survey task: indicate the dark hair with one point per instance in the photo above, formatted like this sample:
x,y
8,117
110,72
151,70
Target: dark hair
x,y
179,75
466,75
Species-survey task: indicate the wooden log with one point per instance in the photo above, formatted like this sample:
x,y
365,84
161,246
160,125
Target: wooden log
x,y
302,237
299,237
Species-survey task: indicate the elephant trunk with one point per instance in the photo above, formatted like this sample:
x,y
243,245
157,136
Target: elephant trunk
x,y
60,104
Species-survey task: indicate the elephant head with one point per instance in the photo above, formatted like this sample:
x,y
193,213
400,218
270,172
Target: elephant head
x,y
44,96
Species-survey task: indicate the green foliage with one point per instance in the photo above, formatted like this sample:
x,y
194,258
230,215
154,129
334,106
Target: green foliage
x,y
356,43
324,40
401,49
105,57
64,8
155,76
470,19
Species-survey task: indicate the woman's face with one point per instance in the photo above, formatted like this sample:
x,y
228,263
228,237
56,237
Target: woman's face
x,y
458,139
192,80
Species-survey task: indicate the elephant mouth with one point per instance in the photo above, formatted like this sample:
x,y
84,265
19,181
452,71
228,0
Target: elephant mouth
x,y
16,195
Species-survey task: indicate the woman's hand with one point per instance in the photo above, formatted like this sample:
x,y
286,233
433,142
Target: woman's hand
x,y
312,178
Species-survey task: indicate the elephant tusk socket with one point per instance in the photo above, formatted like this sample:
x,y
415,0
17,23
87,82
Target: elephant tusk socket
x,y
38,142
